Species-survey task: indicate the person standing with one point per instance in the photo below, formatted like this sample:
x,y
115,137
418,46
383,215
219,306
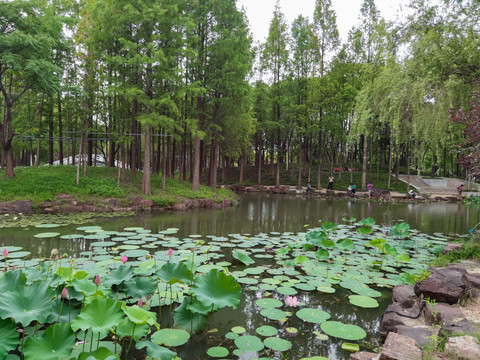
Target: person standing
x,y
460,189
330,183
309,186
370,189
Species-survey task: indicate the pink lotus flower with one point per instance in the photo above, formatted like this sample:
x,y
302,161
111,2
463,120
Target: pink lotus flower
x,y
97,280
123,259
292,301
64,293
140,303
170,252
5,252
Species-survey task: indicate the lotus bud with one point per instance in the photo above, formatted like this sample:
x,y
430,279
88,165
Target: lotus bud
x,y
64,293
170,252
140,303
123,259
5,253
54,252
97,280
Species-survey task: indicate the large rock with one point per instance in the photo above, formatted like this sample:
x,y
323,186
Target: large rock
x,y
399,347
422,335
405,296
443,285
464,347
451,318
393,318
16,207
451,247
471,281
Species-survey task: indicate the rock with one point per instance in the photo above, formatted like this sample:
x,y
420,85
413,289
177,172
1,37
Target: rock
x,y
451,247
421,334
399,347
441,286
465,347
227,203
461,327
364,355
391,319
405,296
115,203
64,197
471,281
443,313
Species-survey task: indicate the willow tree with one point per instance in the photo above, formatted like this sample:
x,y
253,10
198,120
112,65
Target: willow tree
x,y
30,34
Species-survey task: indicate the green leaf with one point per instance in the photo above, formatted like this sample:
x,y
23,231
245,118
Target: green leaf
x,y
140,287
156,351
217,352
119,275
315,316
170,337
56,343
27,304
315,237
367,222
328,226
403,258
243,257
363,301
275,343
343,331
9,337
345,244
249,343
217,289
322,254
100,315
175,272
350,347
327,243
364,230
128,328
101,353
301,259
65,273
12,279
185,319
139,316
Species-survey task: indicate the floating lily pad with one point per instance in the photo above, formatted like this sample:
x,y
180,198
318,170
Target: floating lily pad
x,y
267,330
350,347
343,331
326,289
313,315
217,352
231,335
238,330
46,235
249,343
170,337
268,303
47,226
274,314
363,301
286,290
277,344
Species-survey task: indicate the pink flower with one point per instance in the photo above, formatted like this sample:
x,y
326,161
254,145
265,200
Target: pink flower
x,y
5,252
140,302
123,259
97,280
64,293
170,252
292,301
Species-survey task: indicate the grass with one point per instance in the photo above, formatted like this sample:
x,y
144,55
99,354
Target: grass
x,y
40,184
470,251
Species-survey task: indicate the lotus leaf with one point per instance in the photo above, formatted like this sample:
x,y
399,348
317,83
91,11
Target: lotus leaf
x,y
305,287
364,230
156,351
277,344
350,347
266,330
217,352
217,289
11,279
140,287
286,290
100,315
231,335
128,328
268,303
175,272
139,316
345,243
186,319
315,237
66,315
119,275
247,281
84,286
315,316
343,331
238,329
170,337
274,314
363,301
26,304
19,254
249,343
367,222
56,343
9,336
243,257
46,235
45,226
315,358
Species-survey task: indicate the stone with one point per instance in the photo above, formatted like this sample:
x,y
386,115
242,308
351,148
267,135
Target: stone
x,y
451,247
441,286
392,318
463,326
423,335
443,313
405,296
364,355
471,281
465,347
399,347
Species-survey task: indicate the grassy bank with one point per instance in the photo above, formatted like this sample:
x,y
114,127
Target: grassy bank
x,y
41,184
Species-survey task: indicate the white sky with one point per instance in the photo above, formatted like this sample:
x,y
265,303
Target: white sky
x,y
260,13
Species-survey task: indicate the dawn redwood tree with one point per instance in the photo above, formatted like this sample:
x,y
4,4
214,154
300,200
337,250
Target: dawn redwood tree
x,y
30,32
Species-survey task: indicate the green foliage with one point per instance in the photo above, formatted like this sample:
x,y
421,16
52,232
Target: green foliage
x,y
470,250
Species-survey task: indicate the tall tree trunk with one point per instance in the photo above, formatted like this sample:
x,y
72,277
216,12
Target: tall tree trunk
x,y
50,133
133,148
364,162
146,161
164,161
197,154
60,129
390,150
242,167
213,165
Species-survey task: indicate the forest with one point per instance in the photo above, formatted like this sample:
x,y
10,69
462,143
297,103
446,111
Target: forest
x,y
180,88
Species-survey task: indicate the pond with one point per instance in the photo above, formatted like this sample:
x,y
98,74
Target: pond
x,y
256,223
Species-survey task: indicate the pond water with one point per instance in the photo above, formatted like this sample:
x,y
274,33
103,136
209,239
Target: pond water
x,y
264,214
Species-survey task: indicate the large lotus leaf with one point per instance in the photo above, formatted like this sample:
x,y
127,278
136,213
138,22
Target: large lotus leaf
x,y
367,222
389,249
8,336
345,244
301,259
170,337
100,315
365,230
328,226
55,343
65,273
27,304
343,331
275,343
12,279
363,301
119,275
67,314
140,287
327,243
243,257
378,243
197,307
217,289
249,343
156,351
128,328
187,320
315,316
315,237
175,272
84,286
101,353
403,258
140,316
322,254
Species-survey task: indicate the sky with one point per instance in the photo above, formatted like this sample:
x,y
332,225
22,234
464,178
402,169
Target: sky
x,y
260,13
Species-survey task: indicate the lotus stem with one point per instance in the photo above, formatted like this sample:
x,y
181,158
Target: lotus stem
x,y
48,267
131,339
84,340
98,341
60,313
91,342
